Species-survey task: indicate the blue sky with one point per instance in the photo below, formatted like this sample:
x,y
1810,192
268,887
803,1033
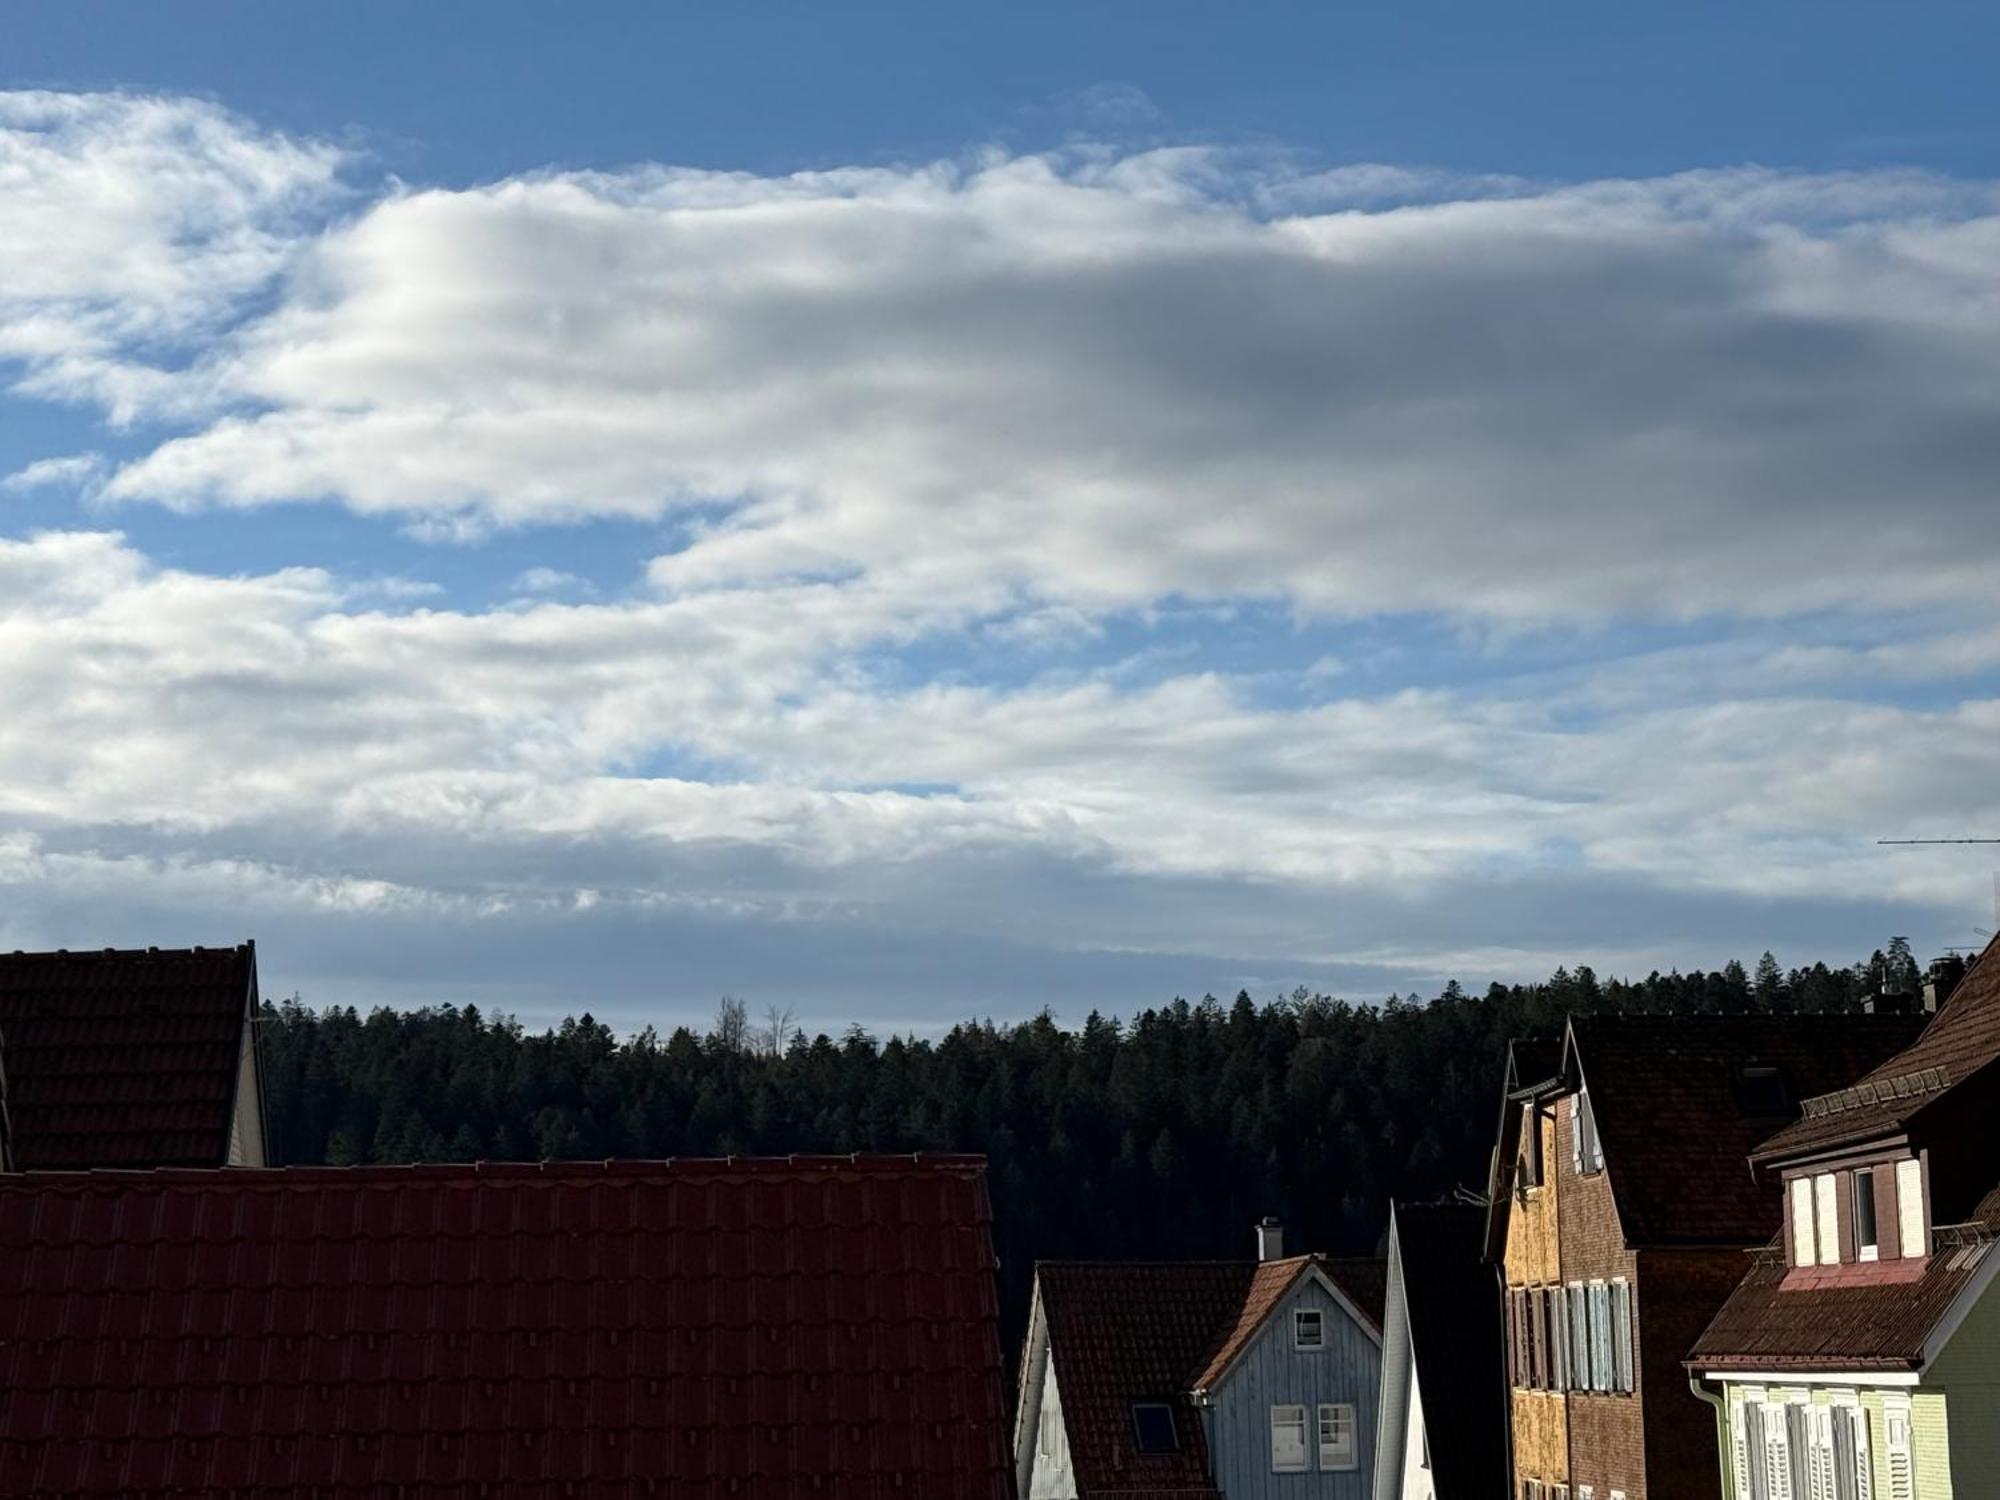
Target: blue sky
x,y
906,512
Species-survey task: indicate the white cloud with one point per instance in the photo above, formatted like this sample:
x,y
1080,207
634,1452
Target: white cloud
x,y
76,471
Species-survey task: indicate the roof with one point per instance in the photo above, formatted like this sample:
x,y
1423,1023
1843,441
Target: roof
x,y
1960,1040
1848,1324
700,1328
1362,1283
124,1057
1667,1095
1452,1299
1126,1331
1531,1061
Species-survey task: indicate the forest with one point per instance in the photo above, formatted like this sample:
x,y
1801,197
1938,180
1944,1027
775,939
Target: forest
x,y
1166,1134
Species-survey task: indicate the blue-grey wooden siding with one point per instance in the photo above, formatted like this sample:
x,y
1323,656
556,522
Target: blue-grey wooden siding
x,y
1272,1373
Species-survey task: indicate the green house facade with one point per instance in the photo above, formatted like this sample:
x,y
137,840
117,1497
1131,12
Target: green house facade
x,y
1859,1356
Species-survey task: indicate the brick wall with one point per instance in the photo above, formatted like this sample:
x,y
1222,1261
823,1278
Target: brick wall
x,y
1607,1447
1540,1423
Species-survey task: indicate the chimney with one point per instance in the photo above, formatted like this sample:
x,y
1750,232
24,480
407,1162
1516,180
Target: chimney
x,y
1270,1239
1887,1002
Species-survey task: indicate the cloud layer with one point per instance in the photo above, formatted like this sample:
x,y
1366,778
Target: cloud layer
x,y
906,416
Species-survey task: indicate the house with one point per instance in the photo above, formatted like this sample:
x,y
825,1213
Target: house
x,y
1237,1379
1441,1431
131,1058
1621,1210
1859,1356
810,1327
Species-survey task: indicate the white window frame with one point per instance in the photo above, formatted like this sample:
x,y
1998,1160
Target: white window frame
x,y
1299,1317
1586,1151
1585,1492
1911,1229
1336,1456
1289,1417
1826,1217
1873,1249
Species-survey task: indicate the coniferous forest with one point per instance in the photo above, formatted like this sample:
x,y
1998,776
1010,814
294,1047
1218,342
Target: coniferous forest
x,y
1163,1135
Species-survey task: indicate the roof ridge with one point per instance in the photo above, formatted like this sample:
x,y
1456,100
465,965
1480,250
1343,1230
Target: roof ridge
x,y
609,1168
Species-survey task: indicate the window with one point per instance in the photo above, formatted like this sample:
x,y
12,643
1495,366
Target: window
x,y
1805,1251
1153,1427
1826,1214
1848,1461
1530,1167
1051,1427
1584,1492
1865,1246
1288,1440
1910,1208
1585,1150
1308,1329
1558,1492
1531,1489
1621,1336
1796,1483
1336,1436
1763,1093
1600,1337
1753,1473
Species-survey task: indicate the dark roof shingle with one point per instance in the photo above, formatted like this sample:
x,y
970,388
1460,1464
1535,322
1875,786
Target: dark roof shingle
x,y
125,1057
1667,1096
776,1327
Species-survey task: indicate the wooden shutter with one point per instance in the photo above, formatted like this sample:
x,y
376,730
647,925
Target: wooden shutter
x,y
1896,1446
1575,1103
1910,1208
1820,1428
1804,1252
1777,1453
1826,1211
1559,1336
1579,1338
1621,1336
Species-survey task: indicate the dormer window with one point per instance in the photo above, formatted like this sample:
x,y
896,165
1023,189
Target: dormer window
x,y
1763,1093
1585,1150
1308,1329
1835,1217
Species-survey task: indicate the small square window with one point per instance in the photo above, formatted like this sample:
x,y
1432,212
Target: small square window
x,y
1764,1093
1153,1427
1308,1329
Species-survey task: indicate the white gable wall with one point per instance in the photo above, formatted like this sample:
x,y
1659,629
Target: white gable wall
x,y
1052,1477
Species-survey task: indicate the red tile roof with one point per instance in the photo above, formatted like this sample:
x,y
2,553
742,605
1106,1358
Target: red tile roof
x,y
1126,1331
1666,1092
804,1326
1960,1040
123,1058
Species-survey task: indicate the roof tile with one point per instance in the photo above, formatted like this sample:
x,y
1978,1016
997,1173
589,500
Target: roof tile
x,y
408,1359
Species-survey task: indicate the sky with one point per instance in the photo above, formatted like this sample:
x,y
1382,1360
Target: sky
x,y
904,513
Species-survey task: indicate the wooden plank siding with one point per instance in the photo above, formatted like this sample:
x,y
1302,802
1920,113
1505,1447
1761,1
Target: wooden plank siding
x,y
1272,1373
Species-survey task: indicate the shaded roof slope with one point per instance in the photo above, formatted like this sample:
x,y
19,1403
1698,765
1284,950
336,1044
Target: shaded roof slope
x,y
1126,1331
777,1327
1846,1324
1453,1303
1667,1095
1962,1038
123,1058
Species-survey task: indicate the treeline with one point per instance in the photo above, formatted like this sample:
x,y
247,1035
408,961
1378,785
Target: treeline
x,y
1164,1135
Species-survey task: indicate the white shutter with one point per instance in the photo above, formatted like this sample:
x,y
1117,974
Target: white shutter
x,y
1579,1338
1778,1452
1828,1212
1896,1447
1820,1433
1739,1447
1600,1336
1910,1208
1621,1337
1576,1133
1803,1253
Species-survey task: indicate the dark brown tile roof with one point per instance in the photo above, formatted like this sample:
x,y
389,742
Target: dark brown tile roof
x,y
1962,1038
815,1327
123,1058
1666,1092
1452,1298
1846,1324
1126,1331
1121,1332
